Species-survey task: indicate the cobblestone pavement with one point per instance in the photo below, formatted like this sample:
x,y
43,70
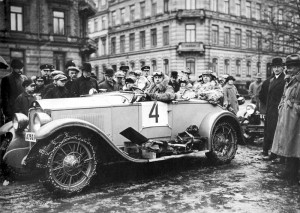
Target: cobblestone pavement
x,y
247,184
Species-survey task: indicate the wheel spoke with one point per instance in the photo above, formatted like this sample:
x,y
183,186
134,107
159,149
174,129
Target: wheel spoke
x,y
57,168
70,181
63,151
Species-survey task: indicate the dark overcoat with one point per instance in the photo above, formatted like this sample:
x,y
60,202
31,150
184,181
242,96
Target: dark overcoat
x,y
23,102
108,86
82,86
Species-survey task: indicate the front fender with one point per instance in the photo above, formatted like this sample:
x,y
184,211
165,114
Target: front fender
x,y
210,120
52,127
6,128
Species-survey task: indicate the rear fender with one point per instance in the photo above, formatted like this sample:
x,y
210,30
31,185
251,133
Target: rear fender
x,y
210,120
105,146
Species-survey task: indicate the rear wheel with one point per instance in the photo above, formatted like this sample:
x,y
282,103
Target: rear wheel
x,y
70,164
224,143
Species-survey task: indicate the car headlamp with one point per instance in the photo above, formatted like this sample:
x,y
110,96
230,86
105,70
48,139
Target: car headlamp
x,y
39,119
250,109
20,121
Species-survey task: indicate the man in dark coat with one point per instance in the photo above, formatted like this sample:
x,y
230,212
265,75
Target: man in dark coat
x,y
109,84
84,83
270,96
174,81
71,72
53,83
11,88
46,70
59,91
25,99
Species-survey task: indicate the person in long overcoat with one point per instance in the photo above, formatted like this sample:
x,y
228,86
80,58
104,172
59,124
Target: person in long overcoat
x,y
230,94
287,135
270,95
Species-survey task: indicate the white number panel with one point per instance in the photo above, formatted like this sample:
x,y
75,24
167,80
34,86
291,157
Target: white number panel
x,y
154,114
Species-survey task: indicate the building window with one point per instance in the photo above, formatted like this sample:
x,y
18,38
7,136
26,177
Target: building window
x,y
153,8
132,65
190,64
190,33
16,18
114,67
270,42
248,9
122,15
248,68
166,66
258,66
190,4
258,11
154,66
238,7
103,46
166,6
238,38
132,12
226,36
269,13
249,39
238,67
215,34
103,22
142,9
226,6
59,60
153,38
142,40
226,66
95,25
103,2
142,63
113,18
215,65
259,40
280,44
58,22
280,16
113,45
122,43
131,41
166,35
214,5
18,54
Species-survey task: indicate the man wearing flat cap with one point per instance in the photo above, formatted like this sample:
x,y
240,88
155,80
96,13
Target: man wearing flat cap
x,y
11,88
85,82
270,96
120,80
109,84
59,91
25,99
174,81
160,90
53,83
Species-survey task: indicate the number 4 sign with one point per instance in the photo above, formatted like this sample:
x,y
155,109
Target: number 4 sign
x,y
154,114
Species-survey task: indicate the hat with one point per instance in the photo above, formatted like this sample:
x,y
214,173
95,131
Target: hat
x,y
56,72
188,71
39,78
145,68
109,72
174,74
16,64
86,67
27,82
45,67
130,80
277,62
258,75
51,67
70,63
183,81
158,73
119,74
124,68
293,59
138,72
60,77
229,78
73,68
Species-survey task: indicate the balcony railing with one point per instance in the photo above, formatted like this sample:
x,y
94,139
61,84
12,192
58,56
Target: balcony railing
x,y
187,14
190,47
87,7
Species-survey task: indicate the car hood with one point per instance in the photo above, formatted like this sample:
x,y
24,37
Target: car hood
x,y
102,100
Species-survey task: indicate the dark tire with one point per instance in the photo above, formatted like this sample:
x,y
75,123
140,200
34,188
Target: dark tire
x,y
224,143
70,164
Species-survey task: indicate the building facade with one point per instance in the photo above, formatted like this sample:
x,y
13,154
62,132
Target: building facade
x,y
45,31
227,36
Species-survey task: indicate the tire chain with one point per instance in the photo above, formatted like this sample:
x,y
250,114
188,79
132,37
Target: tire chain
x,y
45,158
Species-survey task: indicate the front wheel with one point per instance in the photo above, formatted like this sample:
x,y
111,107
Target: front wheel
x,y
70,165
223,143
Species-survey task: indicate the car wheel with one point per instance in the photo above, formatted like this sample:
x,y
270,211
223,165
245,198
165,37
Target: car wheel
x,y
224,143
71,164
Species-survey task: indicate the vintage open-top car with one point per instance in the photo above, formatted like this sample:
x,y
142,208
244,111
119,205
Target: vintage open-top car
x,y
69,139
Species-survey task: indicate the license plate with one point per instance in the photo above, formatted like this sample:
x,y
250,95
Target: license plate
x,y
30,136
